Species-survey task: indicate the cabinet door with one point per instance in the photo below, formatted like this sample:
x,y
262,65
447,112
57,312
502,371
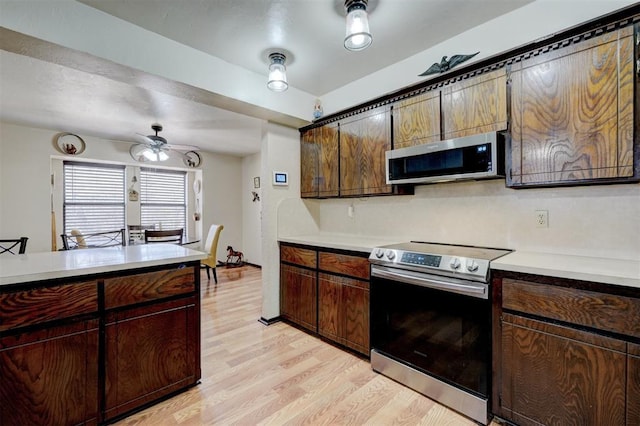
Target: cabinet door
x,y
343,315
364,139
150,352
319,162
416,120
298,296
558,375
633,385
572,113
309,164
475,105
50,376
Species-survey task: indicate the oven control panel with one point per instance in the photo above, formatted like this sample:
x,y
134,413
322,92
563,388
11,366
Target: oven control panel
x,y
421,259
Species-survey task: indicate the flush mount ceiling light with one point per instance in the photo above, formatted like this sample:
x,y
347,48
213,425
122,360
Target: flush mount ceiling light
x,y
277,72
358,36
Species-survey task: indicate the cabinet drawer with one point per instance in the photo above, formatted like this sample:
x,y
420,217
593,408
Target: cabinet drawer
x,y
298,256
130,289
345,264
38,305
602,311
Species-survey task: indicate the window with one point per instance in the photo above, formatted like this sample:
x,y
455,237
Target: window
x,y
163,198
93,197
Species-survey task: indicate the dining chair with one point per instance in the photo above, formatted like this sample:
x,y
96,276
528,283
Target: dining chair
x,y
80,240
211,247
173,236
136,232
9,245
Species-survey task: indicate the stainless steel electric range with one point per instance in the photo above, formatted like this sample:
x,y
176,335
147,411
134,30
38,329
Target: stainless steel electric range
x,y
431,321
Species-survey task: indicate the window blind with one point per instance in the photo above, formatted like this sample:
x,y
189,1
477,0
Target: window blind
x,y
163,199
93,197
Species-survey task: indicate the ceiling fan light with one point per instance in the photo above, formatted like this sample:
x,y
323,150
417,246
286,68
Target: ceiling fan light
x,y
357,36
277,73
149,154
162,156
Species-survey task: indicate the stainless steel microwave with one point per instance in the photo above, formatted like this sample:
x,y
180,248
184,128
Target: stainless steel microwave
x,y
472,157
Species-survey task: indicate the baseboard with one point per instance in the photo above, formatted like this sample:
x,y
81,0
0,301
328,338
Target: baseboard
x,y
253,264
268,322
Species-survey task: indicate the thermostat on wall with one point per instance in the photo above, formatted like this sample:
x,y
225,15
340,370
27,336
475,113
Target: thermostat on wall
x,y
281,178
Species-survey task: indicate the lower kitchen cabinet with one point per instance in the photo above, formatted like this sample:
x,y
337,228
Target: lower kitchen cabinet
x,y
343,311
563,352
88,352
50,376
633,385
327,293
299,296
558,375
149,353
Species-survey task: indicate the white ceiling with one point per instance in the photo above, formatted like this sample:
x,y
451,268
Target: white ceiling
x,y
74,92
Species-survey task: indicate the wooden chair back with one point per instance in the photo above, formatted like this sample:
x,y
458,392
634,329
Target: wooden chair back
x,y
173,236
10,246
78,240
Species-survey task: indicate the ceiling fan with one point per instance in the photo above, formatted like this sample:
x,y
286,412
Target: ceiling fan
x,y
156,148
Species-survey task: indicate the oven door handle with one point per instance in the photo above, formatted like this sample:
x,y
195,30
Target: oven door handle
x,y
425,280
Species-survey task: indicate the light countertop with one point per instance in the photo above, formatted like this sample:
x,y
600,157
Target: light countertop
x,y
29,267
357,243
596,269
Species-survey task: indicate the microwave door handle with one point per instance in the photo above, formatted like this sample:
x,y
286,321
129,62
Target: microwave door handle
x,y
475,290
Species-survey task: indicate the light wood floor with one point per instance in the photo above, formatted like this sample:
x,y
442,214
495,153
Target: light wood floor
x,y
275,375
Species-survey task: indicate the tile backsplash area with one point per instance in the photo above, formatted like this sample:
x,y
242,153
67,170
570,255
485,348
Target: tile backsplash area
x,y
601,221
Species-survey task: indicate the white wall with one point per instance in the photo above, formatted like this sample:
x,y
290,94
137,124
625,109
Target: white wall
x,y
252,210
602,221
280,152
28,157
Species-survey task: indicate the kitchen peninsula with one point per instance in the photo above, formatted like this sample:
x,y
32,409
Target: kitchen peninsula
x,y
88,336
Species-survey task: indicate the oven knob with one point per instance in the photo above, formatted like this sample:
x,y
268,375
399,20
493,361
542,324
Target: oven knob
x,y
379,253
391,254
472,266
455,263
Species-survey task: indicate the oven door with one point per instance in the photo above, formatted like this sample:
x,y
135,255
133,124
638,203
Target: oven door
x,y
436,325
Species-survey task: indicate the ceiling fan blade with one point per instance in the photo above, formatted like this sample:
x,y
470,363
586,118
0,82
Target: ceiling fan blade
x,y
178,147
144,138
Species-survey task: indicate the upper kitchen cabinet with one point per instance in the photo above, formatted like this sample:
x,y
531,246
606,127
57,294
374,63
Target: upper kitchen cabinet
x,y
319,162
416,120
572,113
475,105
364,138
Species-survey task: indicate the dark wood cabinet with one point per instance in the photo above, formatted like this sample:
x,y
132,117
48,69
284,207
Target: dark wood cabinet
x,y
164,359
49,354
416,120
343,299
50,376
563,351
298,286
364,139
319,162
326,293
343,311
299,296
164,335
475,105
633,384
559,375
86,352
572,112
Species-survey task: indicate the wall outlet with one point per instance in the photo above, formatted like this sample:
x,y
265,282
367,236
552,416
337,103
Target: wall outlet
x,y
542,218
